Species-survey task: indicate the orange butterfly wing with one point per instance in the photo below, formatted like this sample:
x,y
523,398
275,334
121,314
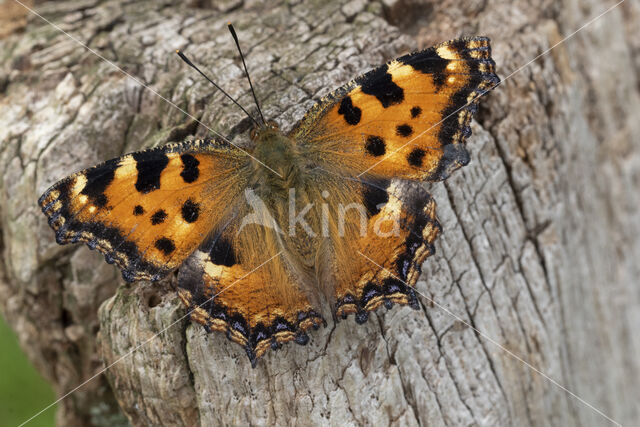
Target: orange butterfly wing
x,y
401,229
407,119
224,294
147,211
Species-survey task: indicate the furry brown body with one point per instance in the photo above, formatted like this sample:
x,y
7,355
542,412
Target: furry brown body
x,y
304,202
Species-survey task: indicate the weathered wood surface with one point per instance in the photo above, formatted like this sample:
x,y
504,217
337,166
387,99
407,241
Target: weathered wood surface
x,y
541,234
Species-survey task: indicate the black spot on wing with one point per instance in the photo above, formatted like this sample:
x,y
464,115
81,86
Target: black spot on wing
x,y
222,253
138,210
351,113
119,250
415,112
98,179
100,200
165,245
150,165
375,196
190,211
415,157
375,145
379,84
404,130
462,47
190,171
428,62
158,217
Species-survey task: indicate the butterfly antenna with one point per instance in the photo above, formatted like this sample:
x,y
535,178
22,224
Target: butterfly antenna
x,y
235,38
189,63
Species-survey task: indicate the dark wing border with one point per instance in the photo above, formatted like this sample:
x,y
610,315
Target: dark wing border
x,y
455,129
109,240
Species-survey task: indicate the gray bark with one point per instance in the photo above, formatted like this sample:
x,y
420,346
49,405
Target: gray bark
x,y
541,230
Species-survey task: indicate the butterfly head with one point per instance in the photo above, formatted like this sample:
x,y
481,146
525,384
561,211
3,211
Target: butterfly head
x,y
258,132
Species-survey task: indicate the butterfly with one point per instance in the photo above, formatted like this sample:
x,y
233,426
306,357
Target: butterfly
x,y
328,219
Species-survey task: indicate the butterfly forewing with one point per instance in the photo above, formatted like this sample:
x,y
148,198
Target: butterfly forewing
x,y
407,119
147,211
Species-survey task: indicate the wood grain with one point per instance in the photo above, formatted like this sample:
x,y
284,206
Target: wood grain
x,y
540,234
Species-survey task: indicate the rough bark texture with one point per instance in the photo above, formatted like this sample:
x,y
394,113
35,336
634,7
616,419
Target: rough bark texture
x,y
541,231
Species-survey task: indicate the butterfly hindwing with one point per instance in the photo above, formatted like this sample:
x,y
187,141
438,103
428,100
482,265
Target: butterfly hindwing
x,y
406,119
147,211
225,294
401,229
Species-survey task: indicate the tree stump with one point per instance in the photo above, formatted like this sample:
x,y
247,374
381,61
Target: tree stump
x,y
541,230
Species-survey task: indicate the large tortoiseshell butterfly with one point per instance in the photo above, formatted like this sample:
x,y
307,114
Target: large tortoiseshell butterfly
x,y
329,219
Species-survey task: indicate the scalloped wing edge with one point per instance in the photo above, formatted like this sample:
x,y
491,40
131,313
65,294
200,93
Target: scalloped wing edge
x,y
256,342
53,204
397,287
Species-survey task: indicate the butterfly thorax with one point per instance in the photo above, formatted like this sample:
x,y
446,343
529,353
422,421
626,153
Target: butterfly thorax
x,y
276,161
